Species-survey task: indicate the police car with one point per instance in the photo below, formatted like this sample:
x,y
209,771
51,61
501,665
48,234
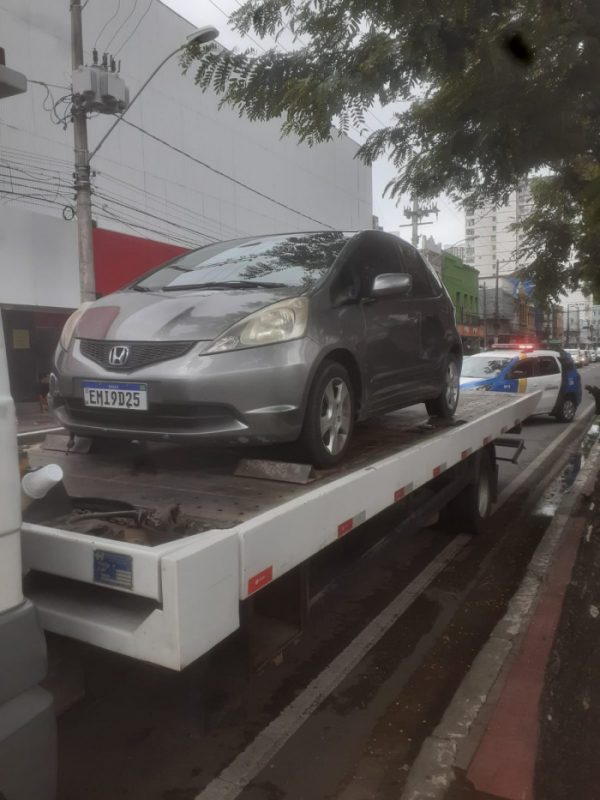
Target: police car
x,y
525,369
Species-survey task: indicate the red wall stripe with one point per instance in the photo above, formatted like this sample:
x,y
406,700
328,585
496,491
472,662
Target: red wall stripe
x,y
120,258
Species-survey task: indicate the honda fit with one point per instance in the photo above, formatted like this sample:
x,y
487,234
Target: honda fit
x,y
263,339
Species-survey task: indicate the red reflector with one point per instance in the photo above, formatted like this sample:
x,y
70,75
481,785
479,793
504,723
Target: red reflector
x,y
438,470
399,494
487,440
345,527
465,453
260,579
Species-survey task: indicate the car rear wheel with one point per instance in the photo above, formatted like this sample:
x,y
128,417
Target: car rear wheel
x,y
445,405
469,511
566,412
329,417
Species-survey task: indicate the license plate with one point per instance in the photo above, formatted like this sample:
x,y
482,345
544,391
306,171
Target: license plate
x,y
128,396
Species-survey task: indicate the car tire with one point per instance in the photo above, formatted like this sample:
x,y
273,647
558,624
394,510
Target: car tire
x,y
329,416
445,405
469,511
567,409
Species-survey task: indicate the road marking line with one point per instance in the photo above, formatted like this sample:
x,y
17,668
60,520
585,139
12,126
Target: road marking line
x,y
250,762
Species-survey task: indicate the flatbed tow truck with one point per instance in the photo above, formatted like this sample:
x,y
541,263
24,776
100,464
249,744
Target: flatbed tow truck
x,y
160,552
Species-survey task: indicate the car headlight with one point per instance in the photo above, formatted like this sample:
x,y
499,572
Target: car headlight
x,y
280,322
69,329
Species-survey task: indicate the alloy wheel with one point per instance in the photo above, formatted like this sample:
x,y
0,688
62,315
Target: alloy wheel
x,y
335,416
452,384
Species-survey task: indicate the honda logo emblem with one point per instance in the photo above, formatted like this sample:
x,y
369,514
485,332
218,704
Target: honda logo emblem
x,y
118,356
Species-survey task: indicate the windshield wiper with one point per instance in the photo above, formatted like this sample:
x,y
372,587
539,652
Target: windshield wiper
x,y
224,285
137,288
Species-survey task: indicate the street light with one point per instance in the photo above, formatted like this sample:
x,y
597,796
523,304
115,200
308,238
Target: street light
x,y
201,36
83,191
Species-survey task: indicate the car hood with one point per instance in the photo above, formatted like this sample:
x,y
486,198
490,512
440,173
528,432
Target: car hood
x,y
199,315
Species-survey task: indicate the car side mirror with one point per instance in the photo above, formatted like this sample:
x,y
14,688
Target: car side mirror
x,y
391,283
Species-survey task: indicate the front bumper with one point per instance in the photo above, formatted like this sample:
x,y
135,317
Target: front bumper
x,y
244,396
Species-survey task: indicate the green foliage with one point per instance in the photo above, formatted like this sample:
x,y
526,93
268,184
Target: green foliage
x,y
492,91
562,234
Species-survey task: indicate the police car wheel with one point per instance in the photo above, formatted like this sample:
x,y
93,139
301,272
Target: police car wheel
x,y
566,412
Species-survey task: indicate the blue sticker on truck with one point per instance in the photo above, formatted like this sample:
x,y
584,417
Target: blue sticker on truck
x,y
113,569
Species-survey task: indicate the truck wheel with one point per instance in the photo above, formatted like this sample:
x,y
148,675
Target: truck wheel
x,y
470,509
566,412
329,416
445,405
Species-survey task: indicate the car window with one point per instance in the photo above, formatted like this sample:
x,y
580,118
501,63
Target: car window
x,y
374,254
411,262
548,365
482,366
296,260
524,368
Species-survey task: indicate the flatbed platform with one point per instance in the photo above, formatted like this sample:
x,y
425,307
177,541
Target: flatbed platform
x,y
173,600
202,483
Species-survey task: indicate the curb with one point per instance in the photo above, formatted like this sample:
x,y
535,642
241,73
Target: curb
x,y
460,730
35,436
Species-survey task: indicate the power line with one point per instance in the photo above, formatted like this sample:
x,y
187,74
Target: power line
x,y
107,23
154,216
227,177
139,22
122,25
162,202
245,35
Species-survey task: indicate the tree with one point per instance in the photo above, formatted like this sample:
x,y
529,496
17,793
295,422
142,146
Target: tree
x,y
492,91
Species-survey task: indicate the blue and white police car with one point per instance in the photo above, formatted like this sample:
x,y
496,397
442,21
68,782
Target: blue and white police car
x,y
525,369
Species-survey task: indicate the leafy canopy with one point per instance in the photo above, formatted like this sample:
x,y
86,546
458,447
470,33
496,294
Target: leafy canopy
x,y
491,91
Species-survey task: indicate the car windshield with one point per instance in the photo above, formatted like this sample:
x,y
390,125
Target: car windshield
x,y
296,260
483,366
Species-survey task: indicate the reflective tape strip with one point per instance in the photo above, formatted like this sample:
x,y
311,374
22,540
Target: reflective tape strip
x,y
400,494
349,524
260,579
522,385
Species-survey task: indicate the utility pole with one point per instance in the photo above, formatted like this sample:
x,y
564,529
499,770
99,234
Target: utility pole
x,y
415,214
496,302
485,336
83,191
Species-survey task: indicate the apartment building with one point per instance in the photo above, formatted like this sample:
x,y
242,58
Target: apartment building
x,y
489,237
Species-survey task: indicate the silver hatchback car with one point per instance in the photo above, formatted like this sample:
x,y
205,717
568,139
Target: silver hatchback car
x,y
264,339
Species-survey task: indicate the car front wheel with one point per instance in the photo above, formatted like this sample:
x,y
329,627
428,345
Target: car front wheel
x,y
329,417
445,405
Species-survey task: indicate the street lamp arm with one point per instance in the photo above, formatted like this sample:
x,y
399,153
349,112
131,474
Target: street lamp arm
x,y
203,35
132,101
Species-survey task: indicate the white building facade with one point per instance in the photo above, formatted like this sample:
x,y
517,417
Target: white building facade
x,y
176,173
490,242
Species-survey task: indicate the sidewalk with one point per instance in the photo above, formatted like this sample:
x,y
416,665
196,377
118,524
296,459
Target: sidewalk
x,y
525,723
30,418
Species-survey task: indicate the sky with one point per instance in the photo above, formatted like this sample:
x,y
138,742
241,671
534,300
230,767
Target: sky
x,y
446,228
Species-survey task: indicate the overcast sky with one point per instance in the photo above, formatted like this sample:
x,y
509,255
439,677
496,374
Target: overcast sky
x,y
448,228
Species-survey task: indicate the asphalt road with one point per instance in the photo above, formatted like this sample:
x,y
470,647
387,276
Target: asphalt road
x,y
342,713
